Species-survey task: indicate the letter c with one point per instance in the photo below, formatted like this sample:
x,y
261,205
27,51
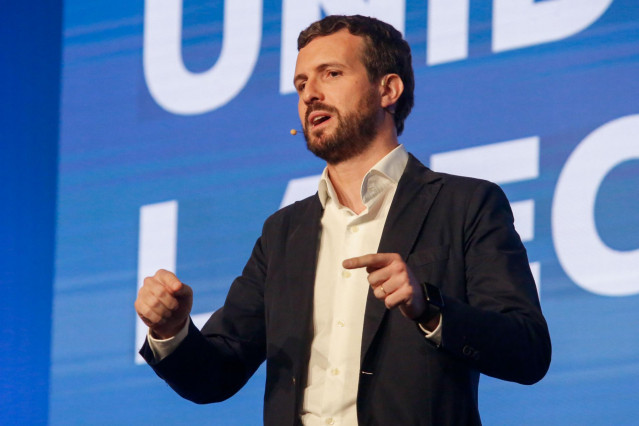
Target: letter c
x,y
586,259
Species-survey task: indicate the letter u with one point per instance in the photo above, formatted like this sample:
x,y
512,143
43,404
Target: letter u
x,y
180,91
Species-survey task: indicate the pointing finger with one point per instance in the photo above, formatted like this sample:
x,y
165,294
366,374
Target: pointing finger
x,y
371,261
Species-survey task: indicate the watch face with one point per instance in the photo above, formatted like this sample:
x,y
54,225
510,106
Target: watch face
x,y
433,295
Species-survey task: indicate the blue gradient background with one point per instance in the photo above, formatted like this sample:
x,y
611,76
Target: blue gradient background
x,y
228,169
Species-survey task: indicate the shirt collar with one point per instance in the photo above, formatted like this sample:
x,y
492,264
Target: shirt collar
x,y
390,167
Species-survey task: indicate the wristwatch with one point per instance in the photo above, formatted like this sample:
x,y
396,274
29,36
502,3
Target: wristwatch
x,y
434,303
432,295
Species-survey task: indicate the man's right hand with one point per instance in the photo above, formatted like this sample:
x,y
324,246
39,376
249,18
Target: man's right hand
x,y
164,304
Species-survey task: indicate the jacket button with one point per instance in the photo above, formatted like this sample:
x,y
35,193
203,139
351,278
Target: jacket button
x,y
471,352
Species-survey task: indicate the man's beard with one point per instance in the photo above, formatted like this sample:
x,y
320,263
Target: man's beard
x,y
354,132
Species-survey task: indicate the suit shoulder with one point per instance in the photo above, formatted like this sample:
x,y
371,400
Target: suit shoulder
x,y
466,184
457,183
292,212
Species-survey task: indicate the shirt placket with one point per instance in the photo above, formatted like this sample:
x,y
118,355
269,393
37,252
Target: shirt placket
x,y
347,328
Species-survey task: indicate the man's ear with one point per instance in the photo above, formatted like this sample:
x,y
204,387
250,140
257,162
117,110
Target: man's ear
x,y
391,89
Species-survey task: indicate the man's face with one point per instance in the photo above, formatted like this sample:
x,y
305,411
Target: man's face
x,y
338,105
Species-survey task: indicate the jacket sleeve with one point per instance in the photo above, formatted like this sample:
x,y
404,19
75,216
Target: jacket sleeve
x,y
499,329
213,364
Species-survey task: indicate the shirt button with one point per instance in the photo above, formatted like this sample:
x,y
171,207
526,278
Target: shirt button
x,y
346,274
354,228
340,323
335,371
330,421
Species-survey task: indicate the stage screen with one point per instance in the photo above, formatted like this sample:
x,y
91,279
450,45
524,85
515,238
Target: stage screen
x,y
175,146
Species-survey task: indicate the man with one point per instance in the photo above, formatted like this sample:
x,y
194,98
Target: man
x,y
380,299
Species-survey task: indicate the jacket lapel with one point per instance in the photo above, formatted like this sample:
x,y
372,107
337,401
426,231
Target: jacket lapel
x,y
303,241
415,194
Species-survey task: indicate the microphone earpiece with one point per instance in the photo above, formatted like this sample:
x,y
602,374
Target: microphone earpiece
x,y
293,132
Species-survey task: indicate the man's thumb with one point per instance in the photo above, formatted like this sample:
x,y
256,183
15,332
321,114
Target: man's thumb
x,y
183,291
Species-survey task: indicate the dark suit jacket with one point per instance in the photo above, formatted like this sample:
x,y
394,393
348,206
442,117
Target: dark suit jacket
x,y
456,233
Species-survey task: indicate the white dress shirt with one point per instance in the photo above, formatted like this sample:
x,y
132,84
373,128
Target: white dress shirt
x,y
340,294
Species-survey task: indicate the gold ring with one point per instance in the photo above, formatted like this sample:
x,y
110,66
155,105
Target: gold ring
x,y
382,287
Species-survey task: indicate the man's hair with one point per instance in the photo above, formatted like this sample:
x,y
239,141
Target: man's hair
x,y
385,52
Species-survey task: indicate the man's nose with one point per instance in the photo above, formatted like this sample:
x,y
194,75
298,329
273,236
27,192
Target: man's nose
x,y
312,92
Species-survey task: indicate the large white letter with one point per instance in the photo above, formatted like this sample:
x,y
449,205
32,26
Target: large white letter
x,y
180,91
299,14
157,249
521,23
447,31
585,258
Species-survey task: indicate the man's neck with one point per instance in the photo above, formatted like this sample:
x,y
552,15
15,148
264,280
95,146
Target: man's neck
x,y
347,176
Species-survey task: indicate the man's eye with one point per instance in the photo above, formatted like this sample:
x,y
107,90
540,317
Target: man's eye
x,y
300,87
334,73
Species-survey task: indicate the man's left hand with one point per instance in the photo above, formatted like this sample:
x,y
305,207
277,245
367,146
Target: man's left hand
x,y
392,281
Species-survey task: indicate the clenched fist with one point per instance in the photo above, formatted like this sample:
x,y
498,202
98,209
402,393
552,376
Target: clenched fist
x,y
164,304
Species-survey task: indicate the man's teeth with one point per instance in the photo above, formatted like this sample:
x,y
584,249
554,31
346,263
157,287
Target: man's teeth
x,y
319,118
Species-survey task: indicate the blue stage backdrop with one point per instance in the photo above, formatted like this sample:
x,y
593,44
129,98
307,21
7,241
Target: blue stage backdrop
x,y
30,56
175,146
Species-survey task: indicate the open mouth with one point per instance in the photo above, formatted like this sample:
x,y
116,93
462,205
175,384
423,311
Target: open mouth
x,y
317,119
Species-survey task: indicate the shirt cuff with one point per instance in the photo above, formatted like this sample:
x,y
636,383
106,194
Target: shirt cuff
x,y
434,336
162,348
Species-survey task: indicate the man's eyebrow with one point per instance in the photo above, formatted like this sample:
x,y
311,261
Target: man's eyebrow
x,y
330,65
319,68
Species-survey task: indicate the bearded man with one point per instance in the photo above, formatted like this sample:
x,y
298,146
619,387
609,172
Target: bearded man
x,y
380,299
